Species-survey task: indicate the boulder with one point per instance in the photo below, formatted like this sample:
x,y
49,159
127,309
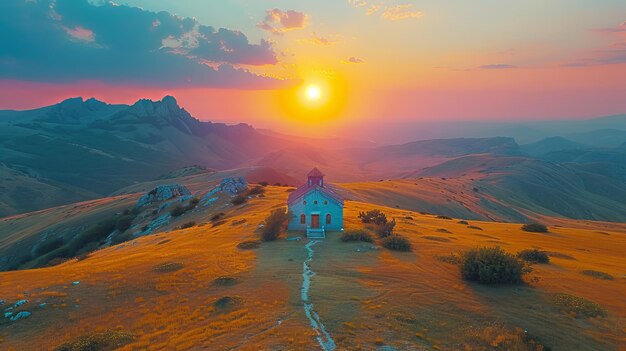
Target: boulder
x,y
162,193
20,315
233,186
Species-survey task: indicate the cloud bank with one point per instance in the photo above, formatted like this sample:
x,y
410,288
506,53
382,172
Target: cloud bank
x,y
74,40
277,21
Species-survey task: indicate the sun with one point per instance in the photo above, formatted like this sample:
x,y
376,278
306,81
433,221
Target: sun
x,y
313,92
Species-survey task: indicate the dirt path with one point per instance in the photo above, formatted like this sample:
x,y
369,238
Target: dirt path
x,y
325,340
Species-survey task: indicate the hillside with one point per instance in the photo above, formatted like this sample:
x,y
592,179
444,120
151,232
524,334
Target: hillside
x,y
198,289
79,150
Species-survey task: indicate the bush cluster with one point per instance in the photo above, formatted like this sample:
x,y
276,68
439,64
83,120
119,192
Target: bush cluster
x,y
179,210
275,224
373,217
357,235
535,228
491,265
534,256
396,243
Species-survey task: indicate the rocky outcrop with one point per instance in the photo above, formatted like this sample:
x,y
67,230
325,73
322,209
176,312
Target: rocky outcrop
x,y
229,186
162,193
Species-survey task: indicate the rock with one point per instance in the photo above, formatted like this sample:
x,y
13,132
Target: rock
x,y
8,314
294,238
162,193
42,305
20,315
20,303
2,302
155,224
233,186
76,283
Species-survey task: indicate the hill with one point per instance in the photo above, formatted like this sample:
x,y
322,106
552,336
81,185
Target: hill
x,y
198,289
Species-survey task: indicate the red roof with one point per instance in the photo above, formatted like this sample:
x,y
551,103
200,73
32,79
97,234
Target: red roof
x,y
315,173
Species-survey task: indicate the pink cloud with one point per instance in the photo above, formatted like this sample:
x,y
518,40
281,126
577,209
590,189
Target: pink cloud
x,y
277,21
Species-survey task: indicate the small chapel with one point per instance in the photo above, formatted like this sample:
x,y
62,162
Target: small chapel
x,y
316,207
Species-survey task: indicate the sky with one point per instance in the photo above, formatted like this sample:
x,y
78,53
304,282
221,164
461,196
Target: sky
x,y
367,61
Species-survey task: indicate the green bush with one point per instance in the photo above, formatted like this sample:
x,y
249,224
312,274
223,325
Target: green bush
x,y
188,225
239,199
275,224
373,217
491,265
178,211
396,243
535,228
385,229
257,190
357,235
579,306
534,256
597,274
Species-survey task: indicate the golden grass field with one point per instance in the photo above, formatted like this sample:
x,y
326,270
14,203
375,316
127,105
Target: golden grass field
x,y
162,289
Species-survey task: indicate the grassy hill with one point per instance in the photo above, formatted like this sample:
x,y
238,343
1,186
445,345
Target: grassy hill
x,y
192,288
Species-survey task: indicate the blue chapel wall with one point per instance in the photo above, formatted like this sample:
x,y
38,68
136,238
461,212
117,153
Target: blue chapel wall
x,y
332,207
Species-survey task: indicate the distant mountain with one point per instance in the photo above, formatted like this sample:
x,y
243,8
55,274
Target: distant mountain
x,y
95,148
551,144
524,185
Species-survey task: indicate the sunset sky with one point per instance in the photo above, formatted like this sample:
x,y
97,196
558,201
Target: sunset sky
x,y
372,61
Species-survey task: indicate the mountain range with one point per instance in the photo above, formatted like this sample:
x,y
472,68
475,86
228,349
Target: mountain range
x,y
86,149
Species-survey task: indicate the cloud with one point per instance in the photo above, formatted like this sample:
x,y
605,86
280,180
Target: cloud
x,y
619,29
317,40
353,60
498,66
278,21
357,3
75,40
401,12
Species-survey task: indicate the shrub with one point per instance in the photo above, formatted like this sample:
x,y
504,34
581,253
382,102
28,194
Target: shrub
x,y
463,222
167,267
216,217
239,200
178,211
275,223
535,228
385,229
124,222
597,274
397,243
193,203
264,183
491,266
444,217
373,216
188,225
357,235
108,340
534,256
249,244
257,190
579,306
225,281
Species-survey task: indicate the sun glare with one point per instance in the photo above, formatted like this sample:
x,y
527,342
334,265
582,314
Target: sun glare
x,y
313,92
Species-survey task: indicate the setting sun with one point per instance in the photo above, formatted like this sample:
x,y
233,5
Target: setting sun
x,y
313,92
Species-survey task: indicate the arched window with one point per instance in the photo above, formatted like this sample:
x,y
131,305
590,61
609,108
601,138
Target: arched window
x,y
315,202
302,219
328,218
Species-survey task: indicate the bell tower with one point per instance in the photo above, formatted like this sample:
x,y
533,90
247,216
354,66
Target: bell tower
x,y
316,178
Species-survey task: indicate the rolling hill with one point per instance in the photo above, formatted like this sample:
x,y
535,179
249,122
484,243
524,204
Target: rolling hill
x,y
198,287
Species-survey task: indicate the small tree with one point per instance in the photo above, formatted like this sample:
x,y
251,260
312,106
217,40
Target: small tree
x,y
385,229
373,216
357,235
275,224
